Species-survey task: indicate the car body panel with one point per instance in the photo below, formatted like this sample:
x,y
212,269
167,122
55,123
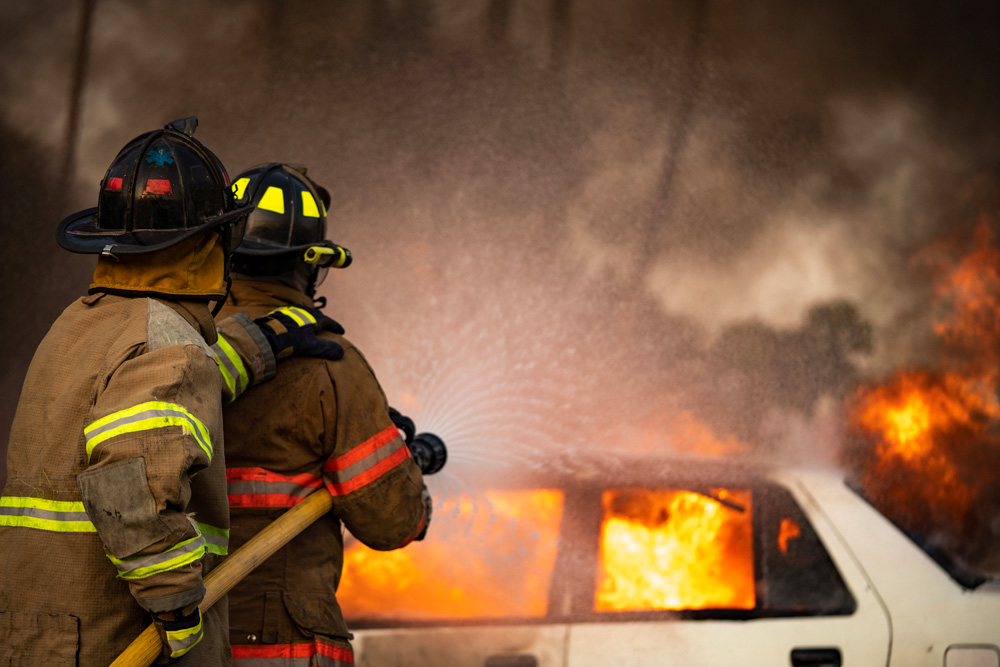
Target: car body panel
x,y
908,612
500,646
930,611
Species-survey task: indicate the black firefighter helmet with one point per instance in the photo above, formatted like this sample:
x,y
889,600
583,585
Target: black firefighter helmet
x,y
288,223
163,187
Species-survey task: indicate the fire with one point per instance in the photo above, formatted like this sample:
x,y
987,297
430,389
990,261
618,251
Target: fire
x,y
787,530
489,559
930,442
675,549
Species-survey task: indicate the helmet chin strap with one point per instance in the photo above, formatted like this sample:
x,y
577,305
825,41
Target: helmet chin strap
x,y
227,242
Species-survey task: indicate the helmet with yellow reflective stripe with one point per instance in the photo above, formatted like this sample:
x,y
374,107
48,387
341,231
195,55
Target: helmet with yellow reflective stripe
x,y
163,187
289,217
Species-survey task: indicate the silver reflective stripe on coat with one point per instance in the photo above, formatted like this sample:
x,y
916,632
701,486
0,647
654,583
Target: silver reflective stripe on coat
x,y
53,515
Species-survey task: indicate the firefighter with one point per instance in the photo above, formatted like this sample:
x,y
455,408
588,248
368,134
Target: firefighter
x,y
115,503
318,424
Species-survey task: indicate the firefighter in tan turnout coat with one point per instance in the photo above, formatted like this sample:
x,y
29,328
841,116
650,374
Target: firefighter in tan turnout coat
x,y
115,504
317,424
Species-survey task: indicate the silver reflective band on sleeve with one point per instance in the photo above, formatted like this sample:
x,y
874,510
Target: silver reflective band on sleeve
x,y
231,366
216,539
144,417
140,567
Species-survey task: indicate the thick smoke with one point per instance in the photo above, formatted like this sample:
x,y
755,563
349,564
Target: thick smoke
x,y
576,223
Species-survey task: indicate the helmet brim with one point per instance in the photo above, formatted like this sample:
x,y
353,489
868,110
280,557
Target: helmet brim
x,y
79,233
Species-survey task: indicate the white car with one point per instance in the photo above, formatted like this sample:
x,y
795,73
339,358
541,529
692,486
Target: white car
x,y
662,564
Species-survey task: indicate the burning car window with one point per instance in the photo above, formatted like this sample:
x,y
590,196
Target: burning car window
x,y
675,549
490,557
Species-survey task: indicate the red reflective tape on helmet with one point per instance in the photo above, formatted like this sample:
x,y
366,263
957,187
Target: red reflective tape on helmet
x,y
114,184
158,186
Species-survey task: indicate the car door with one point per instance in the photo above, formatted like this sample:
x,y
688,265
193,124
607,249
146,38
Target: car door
x,y
810,604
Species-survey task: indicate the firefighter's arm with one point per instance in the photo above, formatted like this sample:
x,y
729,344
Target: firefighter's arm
x,y
244,356
378,490
155,424
246,349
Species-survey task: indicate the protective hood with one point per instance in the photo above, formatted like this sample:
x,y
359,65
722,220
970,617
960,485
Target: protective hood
x,y
193,268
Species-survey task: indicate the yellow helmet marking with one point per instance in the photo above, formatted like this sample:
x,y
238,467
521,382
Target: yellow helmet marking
x,y
273,200
309,205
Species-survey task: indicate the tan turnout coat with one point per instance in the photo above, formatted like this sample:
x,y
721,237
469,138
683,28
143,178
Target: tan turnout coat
x,y
319,424
115,500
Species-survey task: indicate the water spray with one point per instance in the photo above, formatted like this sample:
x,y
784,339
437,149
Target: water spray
x,y
428,450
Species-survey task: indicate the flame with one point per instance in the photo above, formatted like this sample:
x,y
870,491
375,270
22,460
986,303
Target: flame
x,y
930,443
480,560
675,549
787,530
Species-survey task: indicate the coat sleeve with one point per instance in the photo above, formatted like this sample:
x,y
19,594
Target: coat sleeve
x,y
244,357
155,424
375,484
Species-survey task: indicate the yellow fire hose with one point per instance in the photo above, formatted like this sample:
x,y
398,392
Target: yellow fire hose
x,y
147,646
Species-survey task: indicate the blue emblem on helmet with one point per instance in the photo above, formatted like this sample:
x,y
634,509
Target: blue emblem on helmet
x,y
159,156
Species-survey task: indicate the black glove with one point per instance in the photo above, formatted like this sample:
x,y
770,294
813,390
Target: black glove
x,y
425,495
291,330
178,632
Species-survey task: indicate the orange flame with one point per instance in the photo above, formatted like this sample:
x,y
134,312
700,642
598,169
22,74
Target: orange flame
x,y
932,431
788,530
485,560
675,549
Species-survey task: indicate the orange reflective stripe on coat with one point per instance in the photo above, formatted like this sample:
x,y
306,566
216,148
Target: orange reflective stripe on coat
x,y
318,653
259,487
365,463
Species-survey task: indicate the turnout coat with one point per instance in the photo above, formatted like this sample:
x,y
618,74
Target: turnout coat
x,y
115,501
319,424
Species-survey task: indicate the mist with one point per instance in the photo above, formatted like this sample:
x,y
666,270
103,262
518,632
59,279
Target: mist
x,y
580,227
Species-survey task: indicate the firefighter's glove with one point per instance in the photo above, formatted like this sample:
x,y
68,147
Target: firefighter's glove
x,y
425,496
291,330
178,632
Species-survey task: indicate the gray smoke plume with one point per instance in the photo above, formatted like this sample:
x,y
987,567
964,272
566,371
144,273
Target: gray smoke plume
x,y
572,220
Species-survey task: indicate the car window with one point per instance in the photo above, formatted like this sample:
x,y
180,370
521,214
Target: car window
x,y
725,552
490,556
675,549
796,574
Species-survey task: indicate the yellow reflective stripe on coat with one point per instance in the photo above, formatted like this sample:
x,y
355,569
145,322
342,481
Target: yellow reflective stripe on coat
x,y
145,417
216,539
300,316
140,567
231,366
58,516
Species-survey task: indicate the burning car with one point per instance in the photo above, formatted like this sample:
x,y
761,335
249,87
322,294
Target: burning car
x,y
667,563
